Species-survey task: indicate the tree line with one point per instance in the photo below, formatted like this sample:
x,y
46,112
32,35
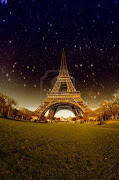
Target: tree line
x,y
106,111
9,109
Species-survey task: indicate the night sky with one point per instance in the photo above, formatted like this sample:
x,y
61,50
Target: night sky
x,y
33,34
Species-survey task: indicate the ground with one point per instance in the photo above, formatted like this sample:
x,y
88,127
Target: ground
x,y
58,151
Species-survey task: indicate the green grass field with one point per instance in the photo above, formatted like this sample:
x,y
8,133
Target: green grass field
x,y
58,151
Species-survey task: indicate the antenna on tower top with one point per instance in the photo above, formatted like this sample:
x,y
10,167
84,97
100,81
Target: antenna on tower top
x,y
63,52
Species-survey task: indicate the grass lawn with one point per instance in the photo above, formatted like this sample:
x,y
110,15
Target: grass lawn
x,y
58,151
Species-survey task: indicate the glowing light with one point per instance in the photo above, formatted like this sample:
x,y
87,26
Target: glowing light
x,y
3,1
65,113
32,108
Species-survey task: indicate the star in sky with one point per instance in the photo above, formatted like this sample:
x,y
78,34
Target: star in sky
x,y
31,44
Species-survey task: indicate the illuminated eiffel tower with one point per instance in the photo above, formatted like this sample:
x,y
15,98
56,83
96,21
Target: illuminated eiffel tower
x,y
63,95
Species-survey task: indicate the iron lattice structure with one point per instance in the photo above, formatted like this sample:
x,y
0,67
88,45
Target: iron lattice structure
x,y
63,94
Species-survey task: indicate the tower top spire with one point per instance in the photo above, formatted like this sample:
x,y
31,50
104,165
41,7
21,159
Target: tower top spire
x,y
63,68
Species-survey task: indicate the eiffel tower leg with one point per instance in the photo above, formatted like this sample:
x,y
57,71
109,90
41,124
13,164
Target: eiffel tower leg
x,y
75,112
52,112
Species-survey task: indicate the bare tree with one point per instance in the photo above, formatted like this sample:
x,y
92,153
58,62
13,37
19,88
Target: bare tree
x,y
25,113
2,104
7,105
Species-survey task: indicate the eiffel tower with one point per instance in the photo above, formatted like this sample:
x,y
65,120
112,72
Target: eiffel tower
x,y
63,95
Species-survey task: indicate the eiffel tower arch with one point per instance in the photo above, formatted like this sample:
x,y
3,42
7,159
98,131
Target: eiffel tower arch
x,y
63,94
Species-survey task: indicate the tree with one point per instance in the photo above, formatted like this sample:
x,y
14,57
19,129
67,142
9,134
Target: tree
x,y
106,110
101,120
86,116
11,104
7,105
115,103
116,98
25,113
2,104
15,113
